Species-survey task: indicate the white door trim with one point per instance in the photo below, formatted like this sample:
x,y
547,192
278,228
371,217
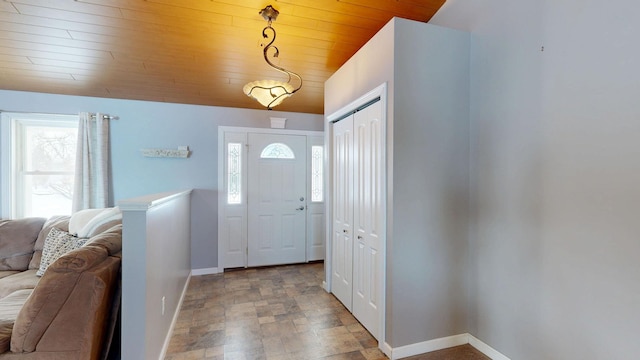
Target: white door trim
x,y
222,130
380,91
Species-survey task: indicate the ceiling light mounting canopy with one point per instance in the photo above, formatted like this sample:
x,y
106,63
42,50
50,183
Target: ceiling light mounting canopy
x,y
269,13
271,93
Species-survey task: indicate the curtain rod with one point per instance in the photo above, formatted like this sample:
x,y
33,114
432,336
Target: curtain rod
x,y
93,115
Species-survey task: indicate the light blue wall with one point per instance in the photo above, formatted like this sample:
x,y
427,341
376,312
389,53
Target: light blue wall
x,y
145,124
555,168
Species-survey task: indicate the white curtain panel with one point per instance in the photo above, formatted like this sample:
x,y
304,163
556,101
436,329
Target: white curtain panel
x,y
91,187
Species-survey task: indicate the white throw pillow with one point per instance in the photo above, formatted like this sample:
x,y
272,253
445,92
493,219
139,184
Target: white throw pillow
x,y
106,215
79,219
56,244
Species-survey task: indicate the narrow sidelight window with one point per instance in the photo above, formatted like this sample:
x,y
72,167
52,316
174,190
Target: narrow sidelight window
x,y
234,171
317,190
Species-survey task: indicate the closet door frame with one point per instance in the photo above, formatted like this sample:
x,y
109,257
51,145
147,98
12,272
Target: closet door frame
x,y
378,92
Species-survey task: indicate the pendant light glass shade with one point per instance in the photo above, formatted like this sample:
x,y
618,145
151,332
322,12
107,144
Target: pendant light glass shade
x,y
270,93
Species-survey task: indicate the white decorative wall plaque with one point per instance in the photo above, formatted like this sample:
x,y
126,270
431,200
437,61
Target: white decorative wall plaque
x,y
181,152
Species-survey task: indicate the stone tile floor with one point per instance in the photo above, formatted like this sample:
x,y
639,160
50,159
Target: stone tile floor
x,y
275,313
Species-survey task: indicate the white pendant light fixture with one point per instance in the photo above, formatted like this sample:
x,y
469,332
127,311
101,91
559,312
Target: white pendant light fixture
x,y
270,93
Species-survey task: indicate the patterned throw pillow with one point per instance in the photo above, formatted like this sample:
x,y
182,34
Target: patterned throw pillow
x,y
56,244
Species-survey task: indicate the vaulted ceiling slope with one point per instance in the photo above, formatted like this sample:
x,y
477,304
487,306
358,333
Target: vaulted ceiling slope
x,y
185,51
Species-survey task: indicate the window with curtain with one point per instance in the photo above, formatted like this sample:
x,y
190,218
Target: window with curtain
x,y
38,164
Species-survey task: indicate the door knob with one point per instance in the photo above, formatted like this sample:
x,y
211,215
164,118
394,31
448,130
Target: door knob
x,y
300,208
359,237
345,231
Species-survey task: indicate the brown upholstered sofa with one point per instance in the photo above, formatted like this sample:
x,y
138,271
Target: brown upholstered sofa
x,y
70,311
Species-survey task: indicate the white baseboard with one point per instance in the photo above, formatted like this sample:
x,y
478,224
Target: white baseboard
x,y
428,346
205,271
387,350
486,349
439,344
165,346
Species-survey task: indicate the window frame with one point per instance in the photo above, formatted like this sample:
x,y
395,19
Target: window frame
x,y
12,130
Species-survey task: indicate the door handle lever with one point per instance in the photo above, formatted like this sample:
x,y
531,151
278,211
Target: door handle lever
x,y
300,208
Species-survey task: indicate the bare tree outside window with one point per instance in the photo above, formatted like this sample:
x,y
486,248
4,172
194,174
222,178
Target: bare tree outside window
x,y
49,162
38,164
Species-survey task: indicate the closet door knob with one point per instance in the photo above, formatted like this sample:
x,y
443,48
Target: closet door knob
x,y
345,231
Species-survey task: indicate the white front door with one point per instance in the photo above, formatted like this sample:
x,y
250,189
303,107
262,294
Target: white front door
x,y
277,199
342,237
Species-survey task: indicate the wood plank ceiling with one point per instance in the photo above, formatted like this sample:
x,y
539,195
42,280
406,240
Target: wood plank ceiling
x,y
185,51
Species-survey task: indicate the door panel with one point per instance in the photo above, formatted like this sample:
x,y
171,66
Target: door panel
x,y
342,240
277,204
315,234
234,232
367,216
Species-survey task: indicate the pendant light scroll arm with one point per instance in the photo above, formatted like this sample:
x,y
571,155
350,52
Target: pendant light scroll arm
x,y
275,54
